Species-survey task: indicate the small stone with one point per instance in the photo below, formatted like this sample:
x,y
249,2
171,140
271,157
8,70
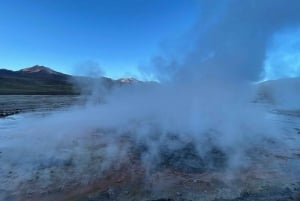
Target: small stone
x,y
110,192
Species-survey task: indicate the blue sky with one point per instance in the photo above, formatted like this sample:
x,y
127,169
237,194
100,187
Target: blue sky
x,y
64,34
118,36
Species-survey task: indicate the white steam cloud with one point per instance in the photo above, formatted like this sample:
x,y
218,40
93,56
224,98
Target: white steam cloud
x,y
206,103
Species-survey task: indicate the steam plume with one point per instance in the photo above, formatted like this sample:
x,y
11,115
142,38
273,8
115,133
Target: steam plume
x,y
206,102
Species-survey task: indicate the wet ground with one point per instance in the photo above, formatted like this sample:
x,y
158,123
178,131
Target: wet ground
x,y
271,174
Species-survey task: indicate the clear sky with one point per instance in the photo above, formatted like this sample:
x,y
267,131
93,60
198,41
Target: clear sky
x,y
117,35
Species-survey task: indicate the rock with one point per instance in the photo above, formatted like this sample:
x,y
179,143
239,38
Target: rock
x,y
9,113
188,160
185,159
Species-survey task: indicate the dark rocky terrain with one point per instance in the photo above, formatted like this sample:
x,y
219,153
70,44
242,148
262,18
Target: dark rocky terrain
x,y
15,104
179,175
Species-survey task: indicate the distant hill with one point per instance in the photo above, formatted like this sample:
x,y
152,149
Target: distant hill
x,y
35,80
41,70
41,80
280,92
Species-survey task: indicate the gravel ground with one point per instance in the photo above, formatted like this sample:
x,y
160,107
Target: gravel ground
x,y
14,104
273,175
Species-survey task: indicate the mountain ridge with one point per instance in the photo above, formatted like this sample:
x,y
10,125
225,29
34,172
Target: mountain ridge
x,y
41,80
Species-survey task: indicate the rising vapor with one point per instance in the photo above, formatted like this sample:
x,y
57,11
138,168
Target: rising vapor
x,y
202,118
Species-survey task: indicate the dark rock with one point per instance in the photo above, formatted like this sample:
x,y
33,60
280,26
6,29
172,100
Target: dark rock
x,y
188,160
269,193
9,113
185,159
216,159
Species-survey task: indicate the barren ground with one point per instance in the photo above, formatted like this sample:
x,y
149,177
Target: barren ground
x,y
271,175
